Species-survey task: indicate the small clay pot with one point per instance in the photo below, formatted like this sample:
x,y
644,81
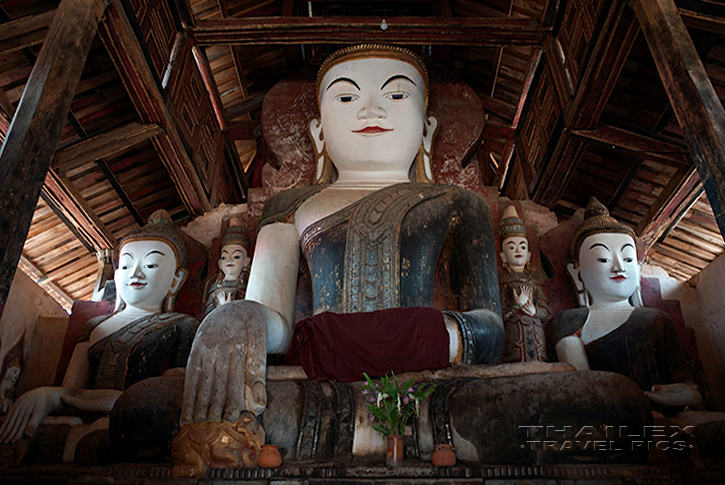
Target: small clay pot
x,y
395,450
443,455
269,457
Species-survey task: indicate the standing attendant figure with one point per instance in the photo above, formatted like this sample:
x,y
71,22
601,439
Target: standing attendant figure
x,y
523,302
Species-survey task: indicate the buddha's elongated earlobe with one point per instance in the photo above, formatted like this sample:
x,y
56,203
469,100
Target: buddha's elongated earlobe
x,y
581,292
323,174
423,162
179,278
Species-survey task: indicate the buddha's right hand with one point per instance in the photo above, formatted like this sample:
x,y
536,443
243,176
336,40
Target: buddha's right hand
x,y
226,371
28,411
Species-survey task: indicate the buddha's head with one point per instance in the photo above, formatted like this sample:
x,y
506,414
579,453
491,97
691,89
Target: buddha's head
x,y
373,102
233,257
151,264
604,254
515,252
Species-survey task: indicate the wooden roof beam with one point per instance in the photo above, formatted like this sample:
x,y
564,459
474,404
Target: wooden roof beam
x,y
638,144
671,206
202,63
104,145
699,111
488,31
30,144
127,55
27,267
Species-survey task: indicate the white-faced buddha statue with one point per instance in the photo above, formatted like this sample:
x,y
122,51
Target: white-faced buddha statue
x,y
141,340
610,333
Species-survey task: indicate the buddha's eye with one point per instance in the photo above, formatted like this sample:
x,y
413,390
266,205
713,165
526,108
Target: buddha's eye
x,y
152,265
346,98
397,96
124,267
628,260
237,257
603,260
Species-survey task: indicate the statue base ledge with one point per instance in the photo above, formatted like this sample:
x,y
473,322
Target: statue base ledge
x,y
412,471
287,372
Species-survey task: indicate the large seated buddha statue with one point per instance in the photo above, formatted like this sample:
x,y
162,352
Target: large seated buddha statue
x,y
141,340
372,234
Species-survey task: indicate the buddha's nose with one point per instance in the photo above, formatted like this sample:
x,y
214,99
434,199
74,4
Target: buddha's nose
x,y
617,266
137,271
371,111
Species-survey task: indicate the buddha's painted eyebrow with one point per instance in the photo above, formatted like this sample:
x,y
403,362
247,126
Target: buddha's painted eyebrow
x,y
340,79
155,251
599,244
627,244
397,76
127,253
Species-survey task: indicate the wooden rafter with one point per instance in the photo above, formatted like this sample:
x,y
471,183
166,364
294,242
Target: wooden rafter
x,y
202,62
103,145
628,141
698,109
128,57
30,144
86,224
27,267
403,30
673,203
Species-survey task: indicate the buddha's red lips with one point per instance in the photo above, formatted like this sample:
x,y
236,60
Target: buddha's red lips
x,y
137,285
618,278
372,130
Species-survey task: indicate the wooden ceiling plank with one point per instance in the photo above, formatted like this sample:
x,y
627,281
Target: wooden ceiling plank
x,y
404,30
107,172
25,25
584,111
127,55
38,123
104,145
699,111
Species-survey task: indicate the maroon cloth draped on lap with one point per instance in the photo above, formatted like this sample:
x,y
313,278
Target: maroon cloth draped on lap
x,y
341,346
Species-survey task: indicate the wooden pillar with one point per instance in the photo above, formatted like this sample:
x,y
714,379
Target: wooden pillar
x,y
39,119
697,107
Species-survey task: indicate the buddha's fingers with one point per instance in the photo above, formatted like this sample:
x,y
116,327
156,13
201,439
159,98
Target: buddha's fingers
x,y
191,383
9,423
205,384
255,392
219,389
21,422
235,383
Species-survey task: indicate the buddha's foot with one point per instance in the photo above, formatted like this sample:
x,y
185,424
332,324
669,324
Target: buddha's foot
x,y
200,446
